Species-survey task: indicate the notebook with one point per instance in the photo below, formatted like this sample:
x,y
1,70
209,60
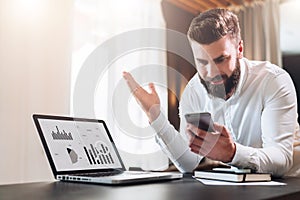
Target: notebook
x,y
82,150
232,175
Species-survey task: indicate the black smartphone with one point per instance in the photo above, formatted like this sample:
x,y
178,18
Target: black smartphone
x,y
202,120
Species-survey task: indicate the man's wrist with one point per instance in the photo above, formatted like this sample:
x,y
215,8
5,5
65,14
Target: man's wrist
x,y
153,113
233,154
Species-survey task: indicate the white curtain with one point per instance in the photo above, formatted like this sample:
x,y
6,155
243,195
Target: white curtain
x,y
35,59
260,27
109,37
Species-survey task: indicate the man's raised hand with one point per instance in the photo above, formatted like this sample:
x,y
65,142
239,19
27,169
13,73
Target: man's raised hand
x,y
149,101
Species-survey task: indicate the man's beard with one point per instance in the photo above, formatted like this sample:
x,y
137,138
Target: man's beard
x,y
223,90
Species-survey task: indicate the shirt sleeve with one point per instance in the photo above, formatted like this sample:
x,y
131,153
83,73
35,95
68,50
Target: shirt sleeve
x,y
174,145
278,122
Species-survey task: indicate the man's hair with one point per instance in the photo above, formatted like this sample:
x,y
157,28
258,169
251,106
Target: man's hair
x,y
214,24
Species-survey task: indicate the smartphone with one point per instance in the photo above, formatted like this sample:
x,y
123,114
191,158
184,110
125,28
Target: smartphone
x,y
202,120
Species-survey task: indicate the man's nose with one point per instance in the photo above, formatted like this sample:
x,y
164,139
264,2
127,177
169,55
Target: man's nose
x,y
212,71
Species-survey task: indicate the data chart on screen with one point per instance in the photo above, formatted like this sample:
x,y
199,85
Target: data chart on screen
x,y
77,145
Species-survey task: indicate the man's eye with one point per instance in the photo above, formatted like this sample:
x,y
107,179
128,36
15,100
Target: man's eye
x,y
220,60
202,62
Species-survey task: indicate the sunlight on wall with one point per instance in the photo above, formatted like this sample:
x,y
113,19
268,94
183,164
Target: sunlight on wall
x,y
28,11
35,75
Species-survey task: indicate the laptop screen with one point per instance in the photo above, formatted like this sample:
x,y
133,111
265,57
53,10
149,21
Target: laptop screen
x,y
78,144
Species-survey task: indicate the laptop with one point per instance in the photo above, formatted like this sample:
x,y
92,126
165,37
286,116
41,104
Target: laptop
x,y
82,150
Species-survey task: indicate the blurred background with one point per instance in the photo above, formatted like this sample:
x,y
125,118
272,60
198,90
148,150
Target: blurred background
x,y
44,43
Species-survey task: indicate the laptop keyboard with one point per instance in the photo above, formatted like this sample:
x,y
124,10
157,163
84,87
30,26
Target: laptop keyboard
x,y
99,174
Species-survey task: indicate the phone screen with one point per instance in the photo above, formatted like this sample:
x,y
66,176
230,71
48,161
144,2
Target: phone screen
x,y
202,120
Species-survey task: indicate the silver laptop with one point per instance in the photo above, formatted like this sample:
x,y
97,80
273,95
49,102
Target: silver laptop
x,y
82,150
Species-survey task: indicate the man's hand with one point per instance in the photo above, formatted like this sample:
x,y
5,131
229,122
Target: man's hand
x,y
217,145
149,102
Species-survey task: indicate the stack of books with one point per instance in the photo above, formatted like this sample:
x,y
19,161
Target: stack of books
x,y
233,175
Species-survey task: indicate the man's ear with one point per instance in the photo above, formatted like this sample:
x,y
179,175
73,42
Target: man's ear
x,y
240,49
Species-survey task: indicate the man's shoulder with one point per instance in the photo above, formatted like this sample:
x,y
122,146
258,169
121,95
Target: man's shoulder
x,y
195,78
194,81
263,68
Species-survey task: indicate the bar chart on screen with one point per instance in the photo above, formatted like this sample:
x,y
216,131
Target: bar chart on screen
x,y
61,135
98,154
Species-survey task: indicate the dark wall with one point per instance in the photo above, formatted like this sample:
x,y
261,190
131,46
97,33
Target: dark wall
x,y
291,63
178,20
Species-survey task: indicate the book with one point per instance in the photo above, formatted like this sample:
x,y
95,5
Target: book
x,y
233,175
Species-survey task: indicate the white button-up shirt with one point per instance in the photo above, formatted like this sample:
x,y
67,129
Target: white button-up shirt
x,y
261,116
